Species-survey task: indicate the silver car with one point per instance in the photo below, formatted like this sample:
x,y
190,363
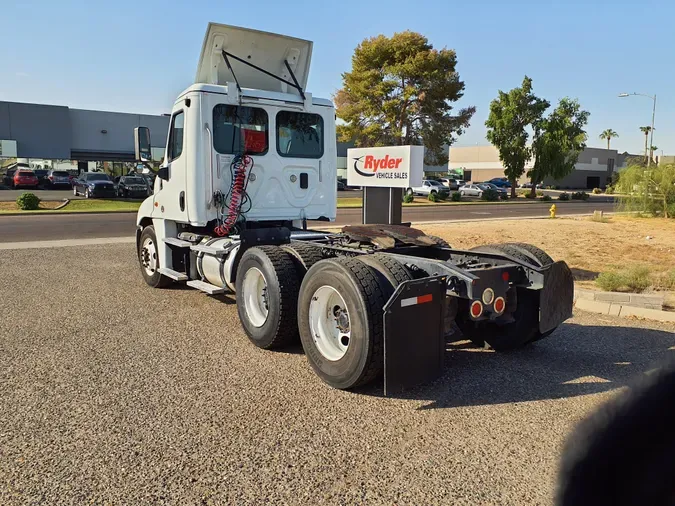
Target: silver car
x,y
471,190
428,187
503,192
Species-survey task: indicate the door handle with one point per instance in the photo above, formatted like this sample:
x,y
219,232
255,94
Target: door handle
x,y
181,201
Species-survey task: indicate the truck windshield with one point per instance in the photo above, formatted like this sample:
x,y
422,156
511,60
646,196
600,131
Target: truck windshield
x,y
239,129
299,134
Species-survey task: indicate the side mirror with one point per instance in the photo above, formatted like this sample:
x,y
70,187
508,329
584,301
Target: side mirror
x,y
142,144
163,173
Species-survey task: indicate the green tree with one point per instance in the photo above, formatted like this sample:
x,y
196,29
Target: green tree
x,y
401,91
648,190
510,115
558,140
608,134
645,130
652,148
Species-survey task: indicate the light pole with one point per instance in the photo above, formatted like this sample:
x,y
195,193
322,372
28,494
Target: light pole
x,y
651,140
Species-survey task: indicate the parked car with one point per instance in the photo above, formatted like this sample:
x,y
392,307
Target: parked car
x,y
500,182
529,185
341,186
503,192
450,183
428,187
42,176
133,187
25,178
93,184
150,179
471,190
58,178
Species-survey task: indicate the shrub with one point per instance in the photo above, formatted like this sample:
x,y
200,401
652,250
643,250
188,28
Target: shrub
x,y
539,193
442,196
433,197
667,280
596,191
490,195
636,278
580,196
456,197
529,195
609,190
546,198
408,198
28,201
564,196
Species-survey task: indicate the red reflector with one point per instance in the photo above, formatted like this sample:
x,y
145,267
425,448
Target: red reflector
x,y
505,276
425,298
476,309
500,305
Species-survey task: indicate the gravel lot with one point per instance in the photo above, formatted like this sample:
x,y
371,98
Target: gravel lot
x,y
113,393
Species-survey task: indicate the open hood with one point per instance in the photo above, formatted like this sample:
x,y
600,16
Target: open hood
x,y
262,49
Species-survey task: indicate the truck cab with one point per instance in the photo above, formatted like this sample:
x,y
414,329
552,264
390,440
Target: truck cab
x,y
248,100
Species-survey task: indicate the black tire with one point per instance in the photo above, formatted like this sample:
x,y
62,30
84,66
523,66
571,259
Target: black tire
x,y
155,280
440,241
304,256
540,255
282,284
391,270
364,295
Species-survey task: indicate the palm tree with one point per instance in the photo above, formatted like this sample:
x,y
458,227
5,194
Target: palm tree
x,y
645,130
608,134
651,151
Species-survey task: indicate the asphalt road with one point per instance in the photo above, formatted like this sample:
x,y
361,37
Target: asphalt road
x,y
115,393
67,193
79,226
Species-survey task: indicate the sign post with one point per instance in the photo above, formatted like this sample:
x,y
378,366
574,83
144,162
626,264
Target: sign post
x,y
384,173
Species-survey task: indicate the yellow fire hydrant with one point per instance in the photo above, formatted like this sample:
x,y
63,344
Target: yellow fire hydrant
x,y
552,211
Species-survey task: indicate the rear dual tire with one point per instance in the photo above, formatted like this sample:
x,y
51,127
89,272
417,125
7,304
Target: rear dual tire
x,y
340,317
525,327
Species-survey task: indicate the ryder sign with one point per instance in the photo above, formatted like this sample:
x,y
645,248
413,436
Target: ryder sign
x,y
391,166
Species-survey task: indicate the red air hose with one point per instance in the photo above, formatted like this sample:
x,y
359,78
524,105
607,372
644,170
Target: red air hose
x,y
237,193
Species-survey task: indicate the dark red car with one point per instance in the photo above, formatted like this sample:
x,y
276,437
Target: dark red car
x,y
25,178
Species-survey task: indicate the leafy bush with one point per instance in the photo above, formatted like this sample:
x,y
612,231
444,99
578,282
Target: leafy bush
x,y
546,198
408,198
442,196
667,280
456,197
490,195
596,191
580,196
539,193
529,195
433,197
564,196
28,201
636,278
648,191
609,190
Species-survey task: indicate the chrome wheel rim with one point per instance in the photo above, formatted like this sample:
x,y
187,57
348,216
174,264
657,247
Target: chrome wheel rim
x,y
149,256
255,297
329,322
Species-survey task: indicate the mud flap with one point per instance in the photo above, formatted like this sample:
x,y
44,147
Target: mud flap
x,y
556,299
414,341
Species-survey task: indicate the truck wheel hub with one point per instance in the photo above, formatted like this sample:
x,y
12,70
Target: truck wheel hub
x,y
329,322
255,297
149,256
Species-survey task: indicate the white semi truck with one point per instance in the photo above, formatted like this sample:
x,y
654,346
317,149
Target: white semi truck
x,y
250,158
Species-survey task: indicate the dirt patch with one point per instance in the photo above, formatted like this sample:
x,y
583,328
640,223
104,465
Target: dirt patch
x,y
44,204
587,246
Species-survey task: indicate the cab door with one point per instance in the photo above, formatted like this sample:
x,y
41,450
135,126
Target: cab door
x,y
170,199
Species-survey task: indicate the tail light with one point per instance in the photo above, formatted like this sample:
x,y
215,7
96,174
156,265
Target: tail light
x,y
476,309
499,305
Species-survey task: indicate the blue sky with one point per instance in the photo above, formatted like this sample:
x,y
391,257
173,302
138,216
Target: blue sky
x,y
135,56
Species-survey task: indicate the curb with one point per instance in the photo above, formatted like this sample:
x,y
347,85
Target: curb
x,y
648,301
616,309
65,203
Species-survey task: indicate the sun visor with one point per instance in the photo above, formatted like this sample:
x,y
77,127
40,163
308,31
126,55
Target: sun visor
x,y
265,50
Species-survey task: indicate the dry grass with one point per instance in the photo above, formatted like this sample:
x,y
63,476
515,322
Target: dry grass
x,y
589,247
44,204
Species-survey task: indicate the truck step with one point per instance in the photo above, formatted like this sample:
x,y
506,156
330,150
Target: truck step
x,y
205,287
209,250
170,273
174,241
